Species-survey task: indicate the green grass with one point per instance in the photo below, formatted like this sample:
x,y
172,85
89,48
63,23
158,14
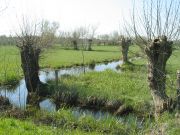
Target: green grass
x,y
55,57
10,70
65,122
111,85
61,122
12,126
59,57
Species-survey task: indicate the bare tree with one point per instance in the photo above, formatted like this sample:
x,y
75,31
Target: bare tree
x,y
64,39
159,23
125,43
32,39
114,38
91,33
104,39
75,39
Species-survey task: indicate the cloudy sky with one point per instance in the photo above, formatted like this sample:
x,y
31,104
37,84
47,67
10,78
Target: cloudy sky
x,y
106,14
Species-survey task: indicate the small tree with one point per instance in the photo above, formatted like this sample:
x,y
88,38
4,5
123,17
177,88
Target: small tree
x,y
159,23
32,39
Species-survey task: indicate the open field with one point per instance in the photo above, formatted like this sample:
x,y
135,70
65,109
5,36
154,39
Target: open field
x,y
56,57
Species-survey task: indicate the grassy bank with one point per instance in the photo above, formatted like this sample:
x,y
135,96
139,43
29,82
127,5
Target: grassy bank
x,y
66,122
62,122
55,57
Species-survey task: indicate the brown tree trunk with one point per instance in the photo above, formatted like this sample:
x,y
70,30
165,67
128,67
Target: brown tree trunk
x,y
125,43
33,99
158,52
30,66
178,89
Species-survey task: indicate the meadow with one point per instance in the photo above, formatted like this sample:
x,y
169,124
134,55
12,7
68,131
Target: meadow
x,y
129,86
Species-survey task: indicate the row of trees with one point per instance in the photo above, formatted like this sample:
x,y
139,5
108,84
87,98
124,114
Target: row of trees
x,y
82,36
74,39
88,35
7,40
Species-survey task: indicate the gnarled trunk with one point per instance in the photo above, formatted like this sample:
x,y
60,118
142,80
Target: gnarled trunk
x,y
33,99
125,43
30,66
75,45
158,52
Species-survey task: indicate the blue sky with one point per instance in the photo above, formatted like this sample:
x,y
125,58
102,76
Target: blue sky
x,y
106,14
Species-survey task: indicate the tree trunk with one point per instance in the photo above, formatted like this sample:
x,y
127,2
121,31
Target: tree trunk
x,y
89,44
33,99
158,52
178,89
30,66
75,45
125,48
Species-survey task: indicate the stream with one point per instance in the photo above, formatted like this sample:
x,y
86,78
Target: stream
x,y
18,95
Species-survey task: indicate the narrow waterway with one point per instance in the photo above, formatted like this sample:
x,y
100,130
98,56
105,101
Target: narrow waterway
x,y
18,95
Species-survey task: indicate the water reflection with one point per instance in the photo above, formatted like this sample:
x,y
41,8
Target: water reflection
x,y
47,105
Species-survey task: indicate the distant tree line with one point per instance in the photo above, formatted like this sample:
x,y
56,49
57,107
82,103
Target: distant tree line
x,y
7,40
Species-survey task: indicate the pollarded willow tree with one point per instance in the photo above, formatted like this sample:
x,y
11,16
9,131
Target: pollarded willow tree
x,y
91,33
157,26
32,39
75,39
125,43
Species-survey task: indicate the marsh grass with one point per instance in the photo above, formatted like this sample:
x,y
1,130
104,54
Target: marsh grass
x,y
111,86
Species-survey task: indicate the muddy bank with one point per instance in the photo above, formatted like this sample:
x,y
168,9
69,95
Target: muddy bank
x,y
72,99
4,104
